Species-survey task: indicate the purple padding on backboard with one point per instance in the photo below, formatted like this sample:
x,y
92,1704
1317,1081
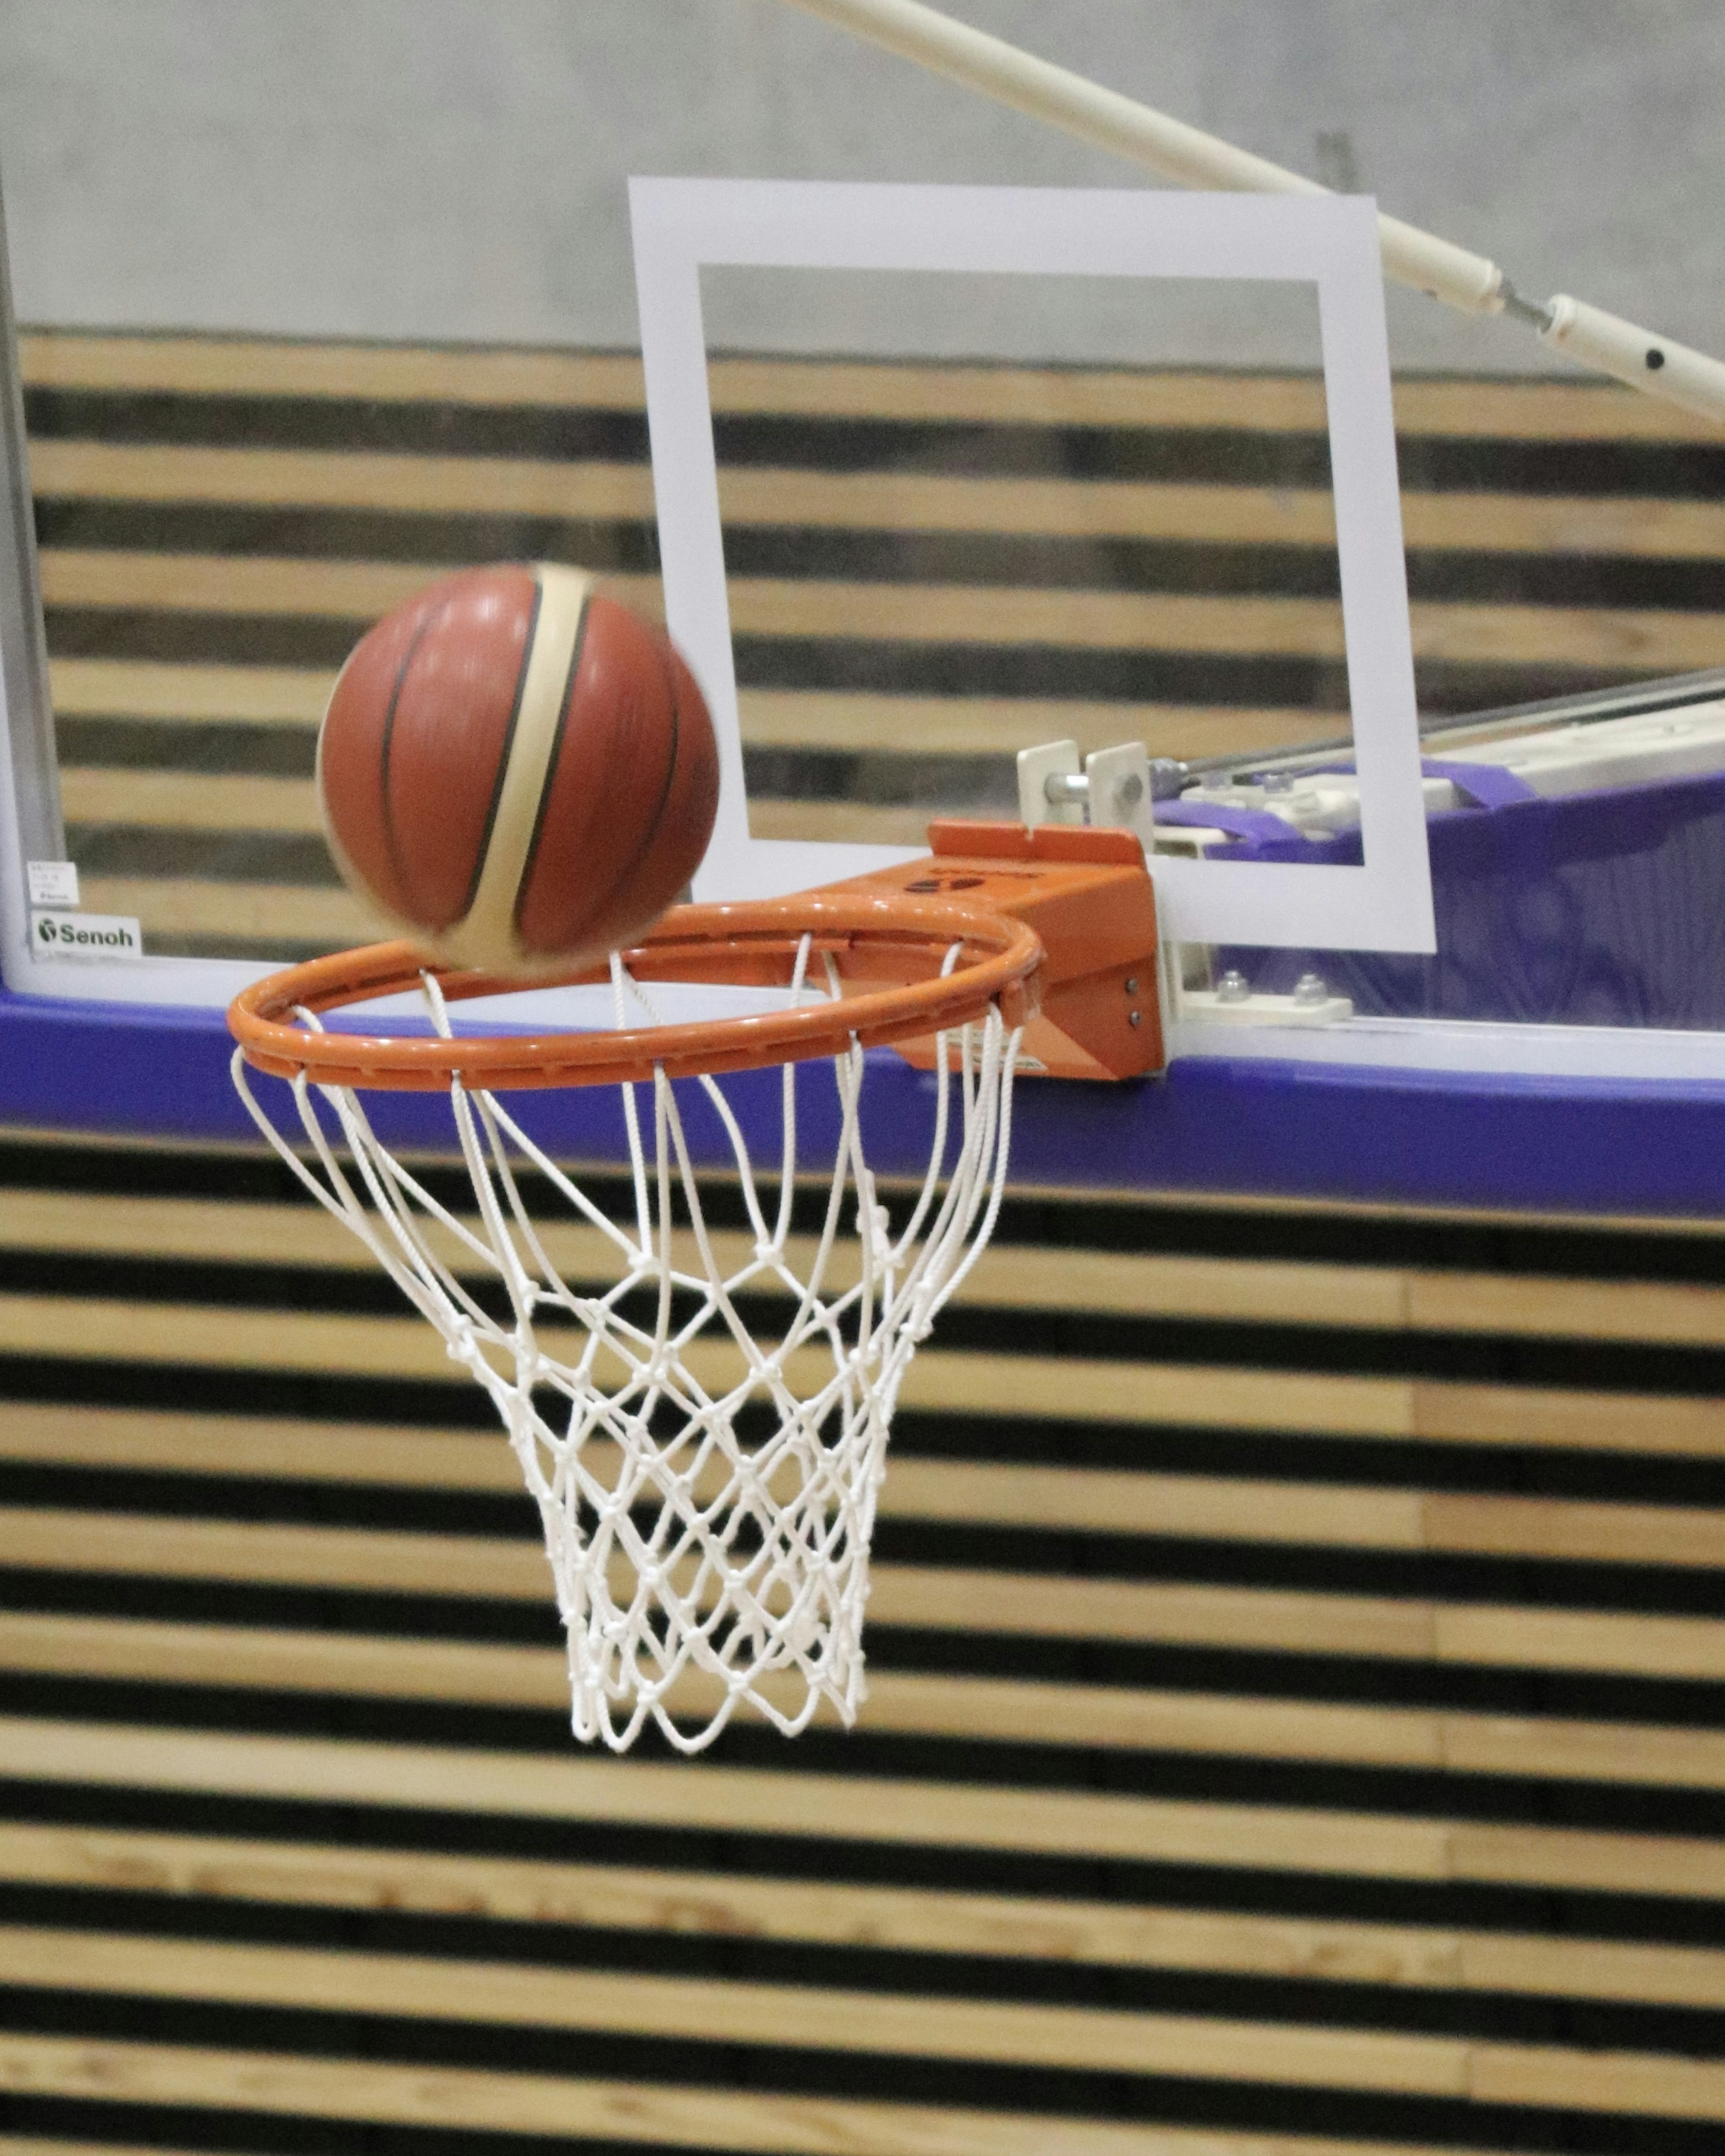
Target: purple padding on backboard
x,y
1266,836
1480,785
1257,1127
1601,909
1485,785
1255,825
155,1071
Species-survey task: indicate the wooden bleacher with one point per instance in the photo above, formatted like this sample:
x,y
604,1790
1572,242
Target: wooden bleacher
x,y
1298,1712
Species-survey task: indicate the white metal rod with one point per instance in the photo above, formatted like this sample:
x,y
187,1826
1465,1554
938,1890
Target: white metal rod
x,y
1636,357
1109,121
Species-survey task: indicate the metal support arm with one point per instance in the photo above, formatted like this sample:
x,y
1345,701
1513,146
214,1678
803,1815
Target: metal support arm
x,y
1109,121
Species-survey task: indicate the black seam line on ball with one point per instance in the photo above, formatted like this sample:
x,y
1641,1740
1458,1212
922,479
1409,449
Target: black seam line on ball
x,y
556,750
503,755
392,842
650,829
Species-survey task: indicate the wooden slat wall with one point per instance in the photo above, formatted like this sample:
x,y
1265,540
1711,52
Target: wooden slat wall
x,y
1298,1708
1297,1722
931,567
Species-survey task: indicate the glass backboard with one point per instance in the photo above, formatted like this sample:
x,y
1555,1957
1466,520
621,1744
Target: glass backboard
x,y
925,476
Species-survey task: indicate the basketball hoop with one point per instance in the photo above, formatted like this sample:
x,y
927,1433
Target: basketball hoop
x,y
707,1497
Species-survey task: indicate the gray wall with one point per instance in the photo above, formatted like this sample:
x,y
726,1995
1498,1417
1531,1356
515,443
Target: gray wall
x,y
454,169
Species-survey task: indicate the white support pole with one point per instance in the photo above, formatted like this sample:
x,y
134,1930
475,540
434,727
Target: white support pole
x,y
1186,155
1636,355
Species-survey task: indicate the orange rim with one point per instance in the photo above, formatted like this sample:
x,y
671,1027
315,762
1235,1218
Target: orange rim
x,y
888,951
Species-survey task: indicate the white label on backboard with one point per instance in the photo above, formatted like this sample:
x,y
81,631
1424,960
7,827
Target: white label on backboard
x,y
85,936
53,883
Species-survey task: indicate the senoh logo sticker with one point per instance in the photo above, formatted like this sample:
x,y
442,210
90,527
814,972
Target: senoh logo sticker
x,y
85,936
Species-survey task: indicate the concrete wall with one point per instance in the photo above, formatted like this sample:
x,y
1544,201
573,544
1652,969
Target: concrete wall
x,y
454,169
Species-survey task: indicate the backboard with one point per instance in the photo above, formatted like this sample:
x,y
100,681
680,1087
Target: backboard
x,y
927,480
1326,250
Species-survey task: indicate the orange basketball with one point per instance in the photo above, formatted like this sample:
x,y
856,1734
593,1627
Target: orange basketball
x,y
517,772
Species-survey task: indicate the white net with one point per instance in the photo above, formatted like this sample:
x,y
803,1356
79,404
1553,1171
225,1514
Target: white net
x,y
705,1434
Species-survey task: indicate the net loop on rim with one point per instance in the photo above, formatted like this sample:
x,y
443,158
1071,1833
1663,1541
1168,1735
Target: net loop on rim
x,y
699,1407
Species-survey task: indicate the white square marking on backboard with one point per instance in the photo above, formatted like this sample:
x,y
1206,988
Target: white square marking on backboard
x,y
680,226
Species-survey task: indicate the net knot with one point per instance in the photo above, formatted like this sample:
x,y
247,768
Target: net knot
x,y
461,1347
874,1224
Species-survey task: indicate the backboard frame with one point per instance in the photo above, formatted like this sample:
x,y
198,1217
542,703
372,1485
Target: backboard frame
x,y
31,775
682,225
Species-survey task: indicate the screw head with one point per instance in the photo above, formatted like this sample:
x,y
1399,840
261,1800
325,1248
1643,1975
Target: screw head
x,y
1135,1018
1131,984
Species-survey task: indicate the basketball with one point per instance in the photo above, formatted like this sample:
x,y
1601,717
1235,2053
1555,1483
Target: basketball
x,y
515,772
